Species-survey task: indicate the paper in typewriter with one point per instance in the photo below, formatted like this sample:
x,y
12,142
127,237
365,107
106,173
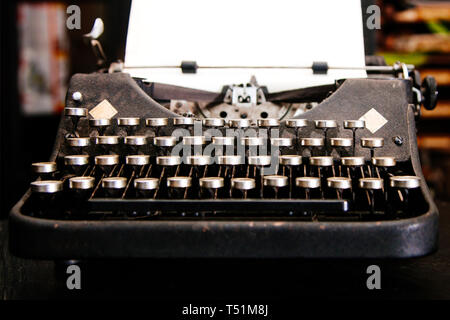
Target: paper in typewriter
x,y
252,33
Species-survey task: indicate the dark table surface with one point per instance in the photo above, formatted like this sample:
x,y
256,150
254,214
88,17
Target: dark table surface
x,y
225,280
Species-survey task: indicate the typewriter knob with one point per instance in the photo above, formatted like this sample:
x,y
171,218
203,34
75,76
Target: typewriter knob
x,y
429,92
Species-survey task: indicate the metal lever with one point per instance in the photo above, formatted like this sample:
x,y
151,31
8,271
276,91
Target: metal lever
x,y
91,38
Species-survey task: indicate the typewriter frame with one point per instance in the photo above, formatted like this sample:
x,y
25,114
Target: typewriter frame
x,y
33,237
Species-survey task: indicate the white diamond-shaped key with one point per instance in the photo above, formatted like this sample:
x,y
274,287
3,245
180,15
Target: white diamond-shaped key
x,y
374,120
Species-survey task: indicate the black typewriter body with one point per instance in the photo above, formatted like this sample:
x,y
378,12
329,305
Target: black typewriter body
x,y
221,217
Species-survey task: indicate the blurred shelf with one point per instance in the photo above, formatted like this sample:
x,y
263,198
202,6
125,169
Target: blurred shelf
x,y
442,110
423,12
442,76
435,143
418,43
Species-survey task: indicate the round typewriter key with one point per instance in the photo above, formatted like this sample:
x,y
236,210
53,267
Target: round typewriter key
x,y
223,141
179,182
81,183
341,142
268,123
198,160
46,186
212,182
339,182
213,122
168,160
156,122
275,181
98,123
308,183
312,142
43,167
372,142
384,161
146,183
76,160
128,122
167,141
290,160
243,183
259,160
352,161
107,140
354,124
137,160
405,182
107,160
253,141
296,123
239,123
371,183
281,142
136,140
78,142
321,161
325,124
76,112
183,121
114,183
230,160
194,140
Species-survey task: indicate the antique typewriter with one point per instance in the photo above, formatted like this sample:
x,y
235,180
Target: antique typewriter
x,y
145,169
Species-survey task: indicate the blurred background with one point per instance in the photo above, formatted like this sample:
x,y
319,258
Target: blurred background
x,y
39,54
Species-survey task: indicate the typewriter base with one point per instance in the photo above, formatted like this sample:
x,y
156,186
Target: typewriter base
x,y
57,239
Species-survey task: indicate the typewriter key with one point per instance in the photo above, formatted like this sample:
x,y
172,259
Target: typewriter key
x,y
137,160
211,185
223,141
308,183
311,143
239,123
321,161
372,143
183,121
107,140
371,184
81,183
340,184
78,142
43,167
194,140
352,161
384,161
275,182
253,141
46,186
268,123
230,160
168,160
281,142
341,142
261,161
354,125
75,114
156,122
243,185
114,186
404,184
135,140
198,160
107,162
165,143
179,182
146,183
76,162
100,125
213,122
130,124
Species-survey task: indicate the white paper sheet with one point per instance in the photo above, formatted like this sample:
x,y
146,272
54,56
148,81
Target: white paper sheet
x,y
244,33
